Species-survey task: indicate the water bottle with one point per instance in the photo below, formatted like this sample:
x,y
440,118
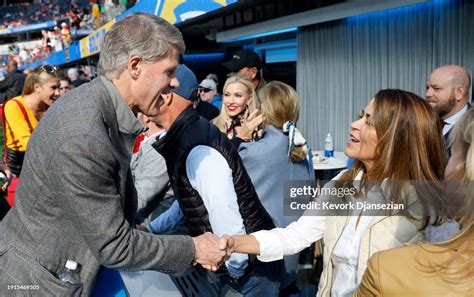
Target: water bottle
x,y
70,273
328,146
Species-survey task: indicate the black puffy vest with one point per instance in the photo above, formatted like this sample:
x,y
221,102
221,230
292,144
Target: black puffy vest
x,y
188,131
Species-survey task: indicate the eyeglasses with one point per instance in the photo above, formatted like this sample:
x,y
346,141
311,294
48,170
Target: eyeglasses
x,y
204,90
50,69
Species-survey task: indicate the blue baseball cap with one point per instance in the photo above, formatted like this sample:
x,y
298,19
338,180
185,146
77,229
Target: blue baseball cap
x,y
188,82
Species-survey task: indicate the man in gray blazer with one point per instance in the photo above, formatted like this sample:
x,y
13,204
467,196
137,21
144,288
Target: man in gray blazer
x,y
76,200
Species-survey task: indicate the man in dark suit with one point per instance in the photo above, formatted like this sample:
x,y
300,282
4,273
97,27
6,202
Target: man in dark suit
x,y
76,200
12,85
447,91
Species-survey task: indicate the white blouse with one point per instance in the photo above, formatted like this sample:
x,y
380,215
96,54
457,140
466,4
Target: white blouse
x,y
345,256
279,242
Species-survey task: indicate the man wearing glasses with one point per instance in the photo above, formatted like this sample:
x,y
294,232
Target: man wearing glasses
x,y
76,200
207,90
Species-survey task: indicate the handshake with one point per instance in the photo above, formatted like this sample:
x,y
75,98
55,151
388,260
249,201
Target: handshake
x,y
211,251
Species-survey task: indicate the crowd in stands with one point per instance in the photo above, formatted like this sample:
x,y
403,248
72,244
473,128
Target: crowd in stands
x,y
52,41
73,14
17,15
81,14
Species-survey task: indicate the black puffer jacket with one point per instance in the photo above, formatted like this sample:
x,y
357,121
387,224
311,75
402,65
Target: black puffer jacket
x,y
187,132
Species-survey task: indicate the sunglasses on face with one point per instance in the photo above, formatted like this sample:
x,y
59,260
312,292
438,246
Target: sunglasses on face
x,y
50,69
204,90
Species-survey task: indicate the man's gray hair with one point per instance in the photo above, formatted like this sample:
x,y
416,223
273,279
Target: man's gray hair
x,y
139,34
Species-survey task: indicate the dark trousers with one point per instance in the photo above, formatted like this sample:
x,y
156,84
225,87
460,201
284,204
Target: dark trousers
x,y
261,280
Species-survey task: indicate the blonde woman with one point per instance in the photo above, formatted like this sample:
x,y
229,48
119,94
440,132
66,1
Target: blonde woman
x,y
441,269
397,137
22,114
289,159
239,106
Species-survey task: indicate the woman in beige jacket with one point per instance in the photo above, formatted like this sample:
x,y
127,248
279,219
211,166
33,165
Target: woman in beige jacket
x,y
397,137
441,269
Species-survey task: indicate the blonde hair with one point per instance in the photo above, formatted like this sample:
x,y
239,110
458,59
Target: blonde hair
x,y
38,76
463,132
221,119
281,104
459,268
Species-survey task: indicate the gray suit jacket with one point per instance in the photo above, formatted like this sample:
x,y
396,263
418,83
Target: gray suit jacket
x,y
76,201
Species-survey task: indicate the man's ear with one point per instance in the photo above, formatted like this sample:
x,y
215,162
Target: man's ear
x,y
134,66
253,72
167,98
459,92
146,119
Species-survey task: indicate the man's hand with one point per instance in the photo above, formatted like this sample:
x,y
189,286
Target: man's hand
x,y
227,244
141,228
212,251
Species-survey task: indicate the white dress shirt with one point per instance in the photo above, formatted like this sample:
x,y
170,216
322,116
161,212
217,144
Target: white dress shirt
x,y
449,122
210,175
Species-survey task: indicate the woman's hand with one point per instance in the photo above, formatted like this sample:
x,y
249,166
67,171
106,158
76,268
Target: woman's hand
x,y
245,244
251,124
